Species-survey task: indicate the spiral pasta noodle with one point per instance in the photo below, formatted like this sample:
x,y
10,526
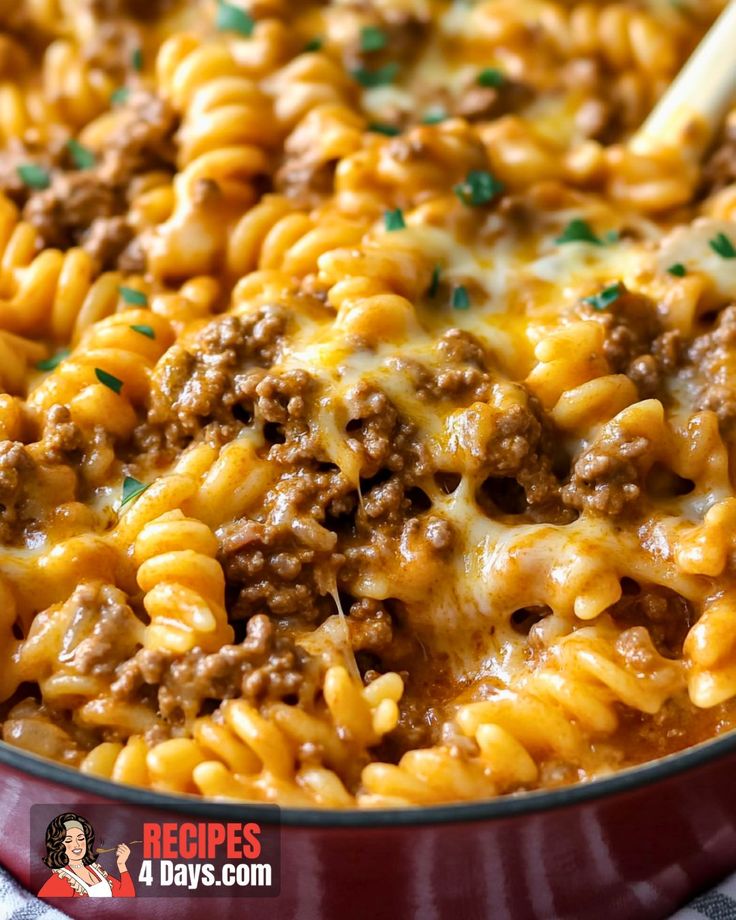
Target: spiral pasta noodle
x,y
226,125
576,694
187,581
45,293
106,377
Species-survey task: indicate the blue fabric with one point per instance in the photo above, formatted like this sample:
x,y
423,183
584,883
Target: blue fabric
x,y
717,904
18,904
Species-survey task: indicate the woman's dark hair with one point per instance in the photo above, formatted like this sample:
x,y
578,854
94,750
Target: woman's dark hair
x,y
56,857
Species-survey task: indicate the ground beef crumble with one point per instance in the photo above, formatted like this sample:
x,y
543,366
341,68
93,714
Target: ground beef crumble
x,y
712,368
520,458
720,167
138,9
484,103
16,465
607,477
30,490
99,635
666,615
460,373
88,207
264,666
635,343
287,563
379,435
197,385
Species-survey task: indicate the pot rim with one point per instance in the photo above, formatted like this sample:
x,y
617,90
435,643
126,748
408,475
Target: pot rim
x,y
507,806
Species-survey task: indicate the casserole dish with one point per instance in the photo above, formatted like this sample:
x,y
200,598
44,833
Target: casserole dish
x,y
635,845
368,447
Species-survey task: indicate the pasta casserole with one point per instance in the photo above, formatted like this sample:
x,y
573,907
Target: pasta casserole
x,y
367,403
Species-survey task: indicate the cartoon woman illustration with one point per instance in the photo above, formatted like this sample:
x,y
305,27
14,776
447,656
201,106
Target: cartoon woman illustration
x,y
71,855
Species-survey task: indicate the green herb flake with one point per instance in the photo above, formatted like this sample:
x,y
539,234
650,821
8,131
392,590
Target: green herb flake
x,y
232,19
120,95
133,297
460,298
434,116
142,329
379,127
677,269
578,231
434,284
723,246
479,188
34,176
314,44
110,381
49,364
136,60
372,39
132,488
82,156
604,298
394,220
611,236
491,77
381,77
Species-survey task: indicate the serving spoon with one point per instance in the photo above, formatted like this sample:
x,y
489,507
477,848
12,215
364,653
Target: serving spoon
x,y
690,113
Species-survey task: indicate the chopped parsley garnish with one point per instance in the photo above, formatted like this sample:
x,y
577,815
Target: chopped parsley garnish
x,y
372,39
394,220
723,246
136,60
491,77
120,95
379,127
232,19
381,77
479,188
611,236
133,297
604,298
132,488
142,329
677,269
434,116
48,364
460,298
434,284
82,156
578,231
314,44
34,176
110,381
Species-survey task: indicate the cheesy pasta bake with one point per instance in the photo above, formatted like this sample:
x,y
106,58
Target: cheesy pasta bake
x,y
367,403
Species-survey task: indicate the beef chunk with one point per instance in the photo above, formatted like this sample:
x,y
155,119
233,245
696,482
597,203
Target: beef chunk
x,y
635,343
88,207
99,636
712,358
65,213
287,562
264,666
666,615
16,467
606,478
197,385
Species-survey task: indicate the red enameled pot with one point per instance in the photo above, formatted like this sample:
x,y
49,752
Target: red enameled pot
x,y
633,845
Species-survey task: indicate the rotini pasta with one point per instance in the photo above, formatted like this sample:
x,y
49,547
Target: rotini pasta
x,y
367,402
